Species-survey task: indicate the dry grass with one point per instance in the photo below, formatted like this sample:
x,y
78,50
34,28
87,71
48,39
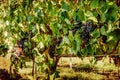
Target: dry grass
x,y
5,62
70,74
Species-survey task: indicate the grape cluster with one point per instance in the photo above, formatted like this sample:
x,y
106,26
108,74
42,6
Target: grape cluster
x,y
86,29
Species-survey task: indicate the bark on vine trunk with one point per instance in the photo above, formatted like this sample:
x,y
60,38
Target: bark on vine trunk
x,y
53,68
33,68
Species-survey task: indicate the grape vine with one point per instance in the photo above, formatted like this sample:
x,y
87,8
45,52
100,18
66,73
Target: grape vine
x,y
60,26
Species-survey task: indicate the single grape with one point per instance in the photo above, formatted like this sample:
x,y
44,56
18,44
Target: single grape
x,y
89,25
84,28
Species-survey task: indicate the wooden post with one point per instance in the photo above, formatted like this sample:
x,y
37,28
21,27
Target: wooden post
x,y
118,66
61,61
70,62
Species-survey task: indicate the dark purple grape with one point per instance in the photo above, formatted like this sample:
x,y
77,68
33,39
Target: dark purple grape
x,y
84,28
89,25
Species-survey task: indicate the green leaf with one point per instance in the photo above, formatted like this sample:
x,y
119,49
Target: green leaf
x,y
81,15
109,28
89,49
30,18
66,40
64,6
94,4
112,14
74,45
103,17
60,50
65,31
29,44
93,41
70,36
39,13
55,29
36,9
93,18
78,41
85,51
49,6
37,38
103,6
59,26
47,40
103,31
64,15
67,21
75,16
95,14
95,33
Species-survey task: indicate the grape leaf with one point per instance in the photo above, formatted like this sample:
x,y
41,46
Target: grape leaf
x,y
95,33
64,6
103,31
81,15
94,4
103,17
49,5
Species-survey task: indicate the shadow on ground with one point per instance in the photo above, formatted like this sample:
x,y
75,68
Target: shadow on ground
x,y
4,75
